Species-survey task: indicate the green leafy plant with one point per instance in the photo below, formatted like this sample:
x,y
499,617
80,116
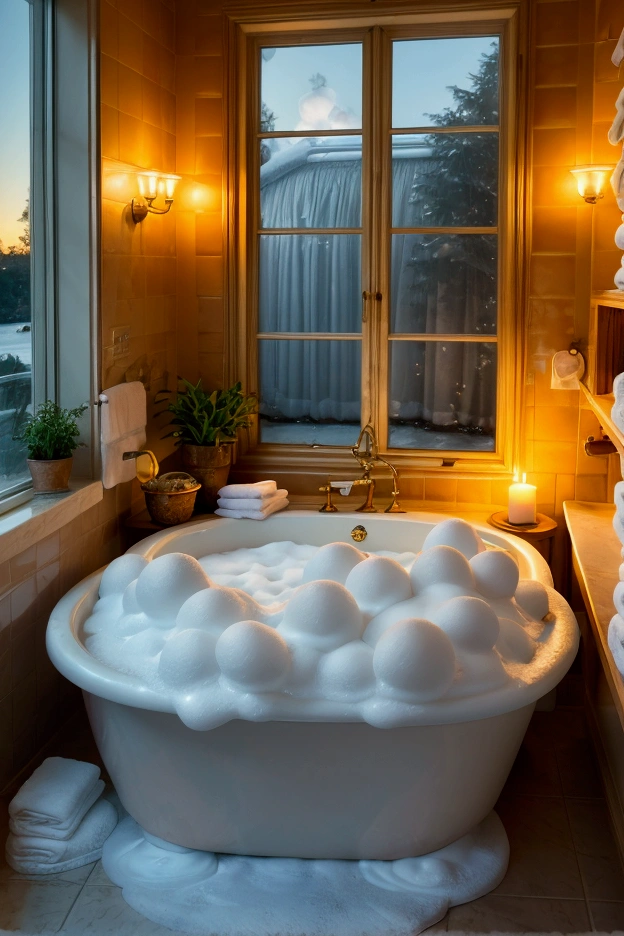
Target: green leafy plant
x,y
201,418
51,432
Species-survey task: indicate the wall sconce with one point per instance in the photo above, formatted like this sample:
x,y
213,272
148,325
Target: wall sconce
x,y
151,185
590,181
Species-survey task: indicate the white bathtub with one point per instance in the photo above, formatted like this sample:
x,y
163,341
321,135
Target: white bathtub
x,y
324,789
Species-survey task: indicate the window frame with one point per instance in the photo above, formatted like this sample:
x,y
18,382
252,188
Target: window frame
x,y
247,32
64,219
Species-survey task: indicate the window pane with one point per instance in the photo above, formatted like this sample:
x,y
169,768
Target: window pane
x,y
316,87
444,284
442,395
310,283
311,182
15,333
445,180
310,390
445,82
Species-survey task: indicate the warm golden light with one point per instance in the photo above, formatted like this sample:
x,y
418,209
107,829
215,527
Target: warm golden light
x,y
591,181
151,185
170,184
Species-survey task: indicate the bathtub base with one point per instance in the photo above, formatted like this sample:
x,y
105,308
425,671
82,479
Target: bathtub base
x,y
199,892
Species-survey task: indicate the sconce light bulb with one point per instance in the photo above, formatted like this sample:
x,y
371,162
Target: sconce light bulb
x,y
590,181
170,184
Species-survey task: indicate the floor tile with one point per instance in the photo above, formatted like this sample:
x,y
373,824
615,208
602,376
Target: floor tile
x,y
99,876
102,911
35,908
542,861
535,769
607,916
520,915
596,849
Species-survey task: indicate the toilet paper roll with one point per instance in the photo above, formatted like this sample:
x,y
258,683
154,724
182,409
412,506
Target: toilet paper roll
x,y
567,370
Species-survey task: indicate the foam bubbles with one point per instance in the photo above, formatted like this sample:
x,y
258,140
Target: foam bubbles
x,y
376,583
323,615
514,644
120,572
213,609
274,631
333,562
347,673
496,574
457,533
533,598
441,564
188,657
415,660
167,582
469,622
253,656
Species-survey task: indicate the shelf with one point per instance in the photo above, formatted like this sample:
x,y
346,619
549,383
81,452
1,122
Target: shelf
x,y
602,406
596,556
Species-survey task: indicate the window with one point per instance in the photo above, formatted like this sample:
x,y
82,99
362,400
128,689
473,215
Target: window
x,y
48,134
378,238
15,279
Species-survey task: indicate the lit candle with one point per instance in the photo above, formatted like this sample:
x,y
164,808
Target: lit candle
x,y
522,499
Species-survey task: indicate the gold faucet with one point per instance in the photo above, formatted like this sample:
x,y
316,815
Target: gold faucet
x,y
366,457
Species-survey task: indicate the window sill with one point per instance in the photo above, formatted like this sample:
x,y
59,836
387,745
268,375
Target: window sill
x,y
31,522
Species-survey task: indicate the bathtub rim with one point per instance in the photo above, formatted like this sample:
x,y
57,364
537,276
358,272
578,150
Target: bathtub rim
x,y
73,660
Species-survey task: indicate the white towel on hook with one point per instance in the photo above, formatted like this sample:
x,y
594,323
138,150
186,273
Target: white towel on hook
x,y
250,503
123,421
30,854
55,798
278,503
259,489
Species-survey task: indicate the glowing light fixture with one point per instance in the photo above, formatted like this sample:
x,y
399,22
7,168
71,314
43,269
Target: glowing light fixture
x,y
590,181
151,185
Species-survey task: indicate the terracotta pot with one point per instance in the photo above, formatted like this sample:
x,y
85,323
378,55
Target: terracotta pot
x,y
50,475
210,464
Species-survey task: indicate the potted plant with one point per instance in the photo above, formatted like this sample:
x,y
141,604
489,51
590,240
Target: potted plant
x,y
205,426
50,435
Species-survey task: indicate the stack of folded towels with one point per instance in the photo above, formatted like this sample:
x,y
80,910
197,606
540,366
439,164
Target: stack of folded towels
x,y
58,819
251,501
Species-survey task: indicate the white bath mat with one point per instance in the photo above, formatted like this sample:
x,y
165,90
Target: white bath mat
x,y
202,893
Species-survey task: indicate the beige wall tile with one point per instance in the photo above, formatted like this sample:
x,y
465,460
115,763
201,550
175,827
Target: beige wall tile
x,y
591,488
441,489
109,30
556,65
209,234
557,23
553,275
209,116
208,74
554,229
554,107
556,423
209,276
208,35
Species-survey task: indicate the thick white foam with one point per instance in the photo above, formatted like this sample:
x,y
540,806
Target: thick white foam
x,y
200,892
283,630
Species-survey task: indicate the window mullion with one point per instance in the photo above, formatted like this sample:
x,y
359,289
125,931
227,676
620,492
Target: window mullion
x,y
382,98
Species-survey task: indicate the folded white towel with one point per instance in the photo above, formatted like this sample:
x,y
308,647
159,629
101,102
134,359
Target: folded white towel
x,y
30,854
55,798
259,489
279,503
251,503
124,417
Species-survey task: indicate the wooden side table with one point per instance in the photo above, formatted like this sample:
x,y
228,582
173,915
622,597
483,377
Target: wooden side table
x,y
542,532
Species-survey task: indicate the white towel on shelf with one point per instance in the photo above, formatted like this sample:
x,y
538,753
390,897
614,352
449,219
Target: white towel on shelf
x,y
31,854
250,503
277,503
55,798
259,489
124,418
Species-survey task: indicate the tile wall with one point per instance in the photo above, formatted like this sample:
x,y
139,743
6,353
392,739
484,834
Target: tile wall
x,y
138,125
34,698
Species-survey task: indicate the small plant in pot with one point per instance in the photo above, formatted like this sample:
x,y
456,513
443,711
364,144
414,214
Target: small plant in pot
x,y
51,435
205,426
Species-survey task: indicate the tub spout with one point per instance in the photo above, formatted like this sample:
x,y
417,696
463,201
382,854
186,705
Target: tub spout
x,y
367,456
